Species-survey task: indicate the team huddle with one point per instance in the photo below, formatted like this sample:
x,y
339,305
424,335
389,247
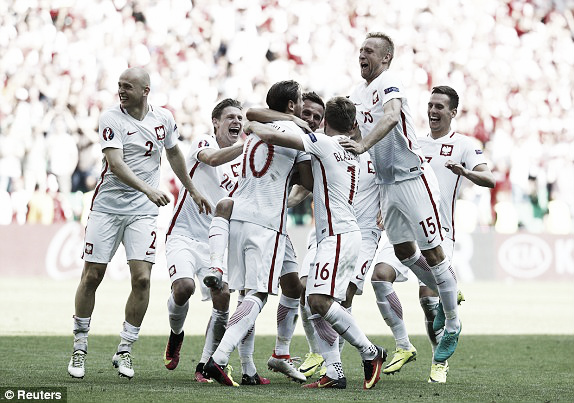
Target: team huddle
x,y
367,172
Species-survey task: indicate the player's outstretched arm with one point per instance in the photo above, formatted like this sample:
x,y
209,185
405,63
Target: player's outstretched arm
x,y
177,163
115,159
272,136
480,175
215,158
265,115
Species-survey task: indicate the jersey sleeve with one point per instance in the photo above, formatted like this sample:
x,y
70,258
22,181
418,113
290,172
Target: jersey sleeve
x,y
314,143
473,155
172,131
390,87
199,144
109,132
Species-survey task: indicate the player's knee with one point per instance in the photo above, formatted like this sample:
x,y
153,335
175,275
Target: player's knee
x,y
434,256
224,208
291,285
220,298
319,304
383,272
93,275
140,282
183,289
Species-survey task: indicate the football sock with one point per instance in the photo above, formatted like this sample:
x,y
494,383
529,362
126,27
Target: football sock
x,y
346,326
245,349
218,239
342,340
287,314
239,324
419,265
429,305
81,329
327,340
447,290
309,328
214,333
177,314
128,336
392,312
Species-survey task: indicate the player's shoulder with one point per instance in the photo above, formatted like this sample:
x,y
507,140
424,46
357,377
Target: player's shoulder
x,y
113,112
286,126
203,141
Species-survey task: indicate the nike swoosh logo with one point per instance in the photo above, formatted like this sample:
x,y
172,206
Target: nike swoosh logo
x,y
358,278
432,240
214,235
130,133
318,285
326,385
149,253
375,370
442,282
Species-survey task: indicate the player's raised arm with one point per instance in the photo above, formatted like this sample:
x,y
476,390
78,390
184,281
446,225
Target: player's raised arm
x,y
177,163
266,115
274,136
480,175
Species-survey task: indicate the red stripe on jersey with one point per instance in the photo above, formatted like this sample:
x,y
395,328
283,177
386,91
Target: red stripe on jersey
x,y
270,281
453,203
245,152
327,207
404,125
99,184
433,206
336,263
181,201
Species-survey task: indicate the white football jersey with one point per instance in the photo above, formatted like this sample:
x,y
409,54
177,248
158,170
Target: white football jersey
x,y
335,182
262,188
214,183
456,147
142,143
367,198
397,156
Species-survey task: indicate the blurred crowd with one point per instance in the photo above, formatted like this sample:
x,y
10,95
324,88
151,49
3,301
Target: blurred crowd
x,y
511,62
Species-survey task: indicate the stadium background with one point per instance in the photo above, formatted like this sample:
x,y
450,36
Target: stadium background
x,y
510,61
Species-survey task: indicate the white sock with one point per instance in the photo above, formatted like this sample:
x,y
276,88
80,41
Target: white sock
x,y
327,340
129,335
419,265
177,314
239,324
392,312
218,239
81,329
344,324
246,348
287,314
214,333
447,290
309,328
342,340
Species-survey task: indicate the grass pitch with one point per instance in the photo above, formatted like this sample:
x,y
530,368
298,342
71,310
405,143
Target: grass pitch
x,y
489,369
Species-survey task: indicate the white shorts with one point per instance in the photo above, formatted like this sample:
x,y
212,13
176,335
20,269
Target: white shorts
x,y
189,258
369,243
255,257
310,255
334,265
104,232
290,259
386,254
411,211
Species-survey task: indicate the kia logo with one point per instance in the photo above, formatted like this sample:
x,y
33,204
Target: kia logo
x,y
525,256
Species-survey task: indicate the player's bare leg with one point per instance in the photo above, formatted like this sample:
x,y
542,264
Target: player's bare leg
x,y
92,276
136,307
177,306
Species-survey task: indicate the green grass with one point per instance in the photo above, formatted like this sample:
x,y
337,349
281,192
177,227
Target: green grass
x,y
484,369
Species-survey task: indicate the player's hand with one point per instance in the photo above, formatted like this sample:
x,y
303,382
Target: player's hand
x,y
380,223
351,145
455,168
202,202
158,197
302,124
